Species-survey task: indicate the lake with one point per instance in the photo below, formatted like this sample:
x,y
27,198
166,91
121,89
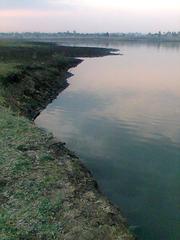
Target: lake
x,y
121,115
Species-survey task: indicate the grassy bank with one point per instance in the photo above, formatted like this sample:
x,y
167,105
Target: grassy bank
x,y
46,193
27,177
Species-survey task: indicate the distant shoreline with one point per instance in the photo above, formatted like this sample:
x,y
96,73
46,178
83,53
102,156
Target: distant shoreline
x,y
73,39
75,36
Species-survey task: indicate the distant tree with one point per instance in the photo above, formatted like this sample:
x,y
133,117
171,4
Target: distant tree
x,y
159,34
106,34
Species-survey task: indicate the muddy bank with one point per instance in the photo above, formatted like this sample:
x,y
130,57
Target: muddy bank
x,y
84,212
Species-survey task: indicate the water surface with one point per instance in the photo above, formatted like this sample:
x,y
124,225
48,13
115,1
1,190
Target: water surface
x,y
121,115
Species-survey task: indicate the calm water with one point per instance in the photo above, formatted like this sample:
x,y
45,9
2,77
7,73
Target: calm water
x,y
121,115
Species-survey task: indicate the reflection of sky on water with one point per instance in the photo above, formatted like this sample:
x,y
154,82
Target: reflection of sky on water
x,y
151,116
121,115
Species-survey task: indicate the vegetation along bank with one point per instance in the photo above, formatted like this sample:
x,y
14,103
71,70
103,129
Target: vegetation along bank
x,y
46,192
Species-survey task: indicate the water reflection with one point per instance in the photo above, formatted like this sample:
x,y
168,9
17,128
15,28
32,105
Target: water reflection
x,y
117,44
121,115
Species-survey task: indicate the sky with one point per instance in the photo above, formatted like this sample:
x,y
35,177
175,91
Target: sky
x,y
89,15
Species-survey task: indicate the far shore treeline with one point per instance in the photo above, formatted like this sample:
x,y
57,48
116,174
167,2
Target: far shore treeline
x,y
158,36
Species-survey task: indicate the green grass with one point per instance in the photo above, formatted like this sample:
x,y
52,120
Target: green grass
x,y
10,65
14,43
29,198
14,53
7,68
9,57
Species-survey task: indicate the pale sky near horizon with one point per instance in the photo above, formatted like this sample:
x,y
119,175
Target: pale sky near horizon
x,y
90,15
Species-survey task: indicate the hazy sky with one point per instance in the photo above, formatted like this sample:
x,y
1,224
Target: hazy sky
x,y
90,15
